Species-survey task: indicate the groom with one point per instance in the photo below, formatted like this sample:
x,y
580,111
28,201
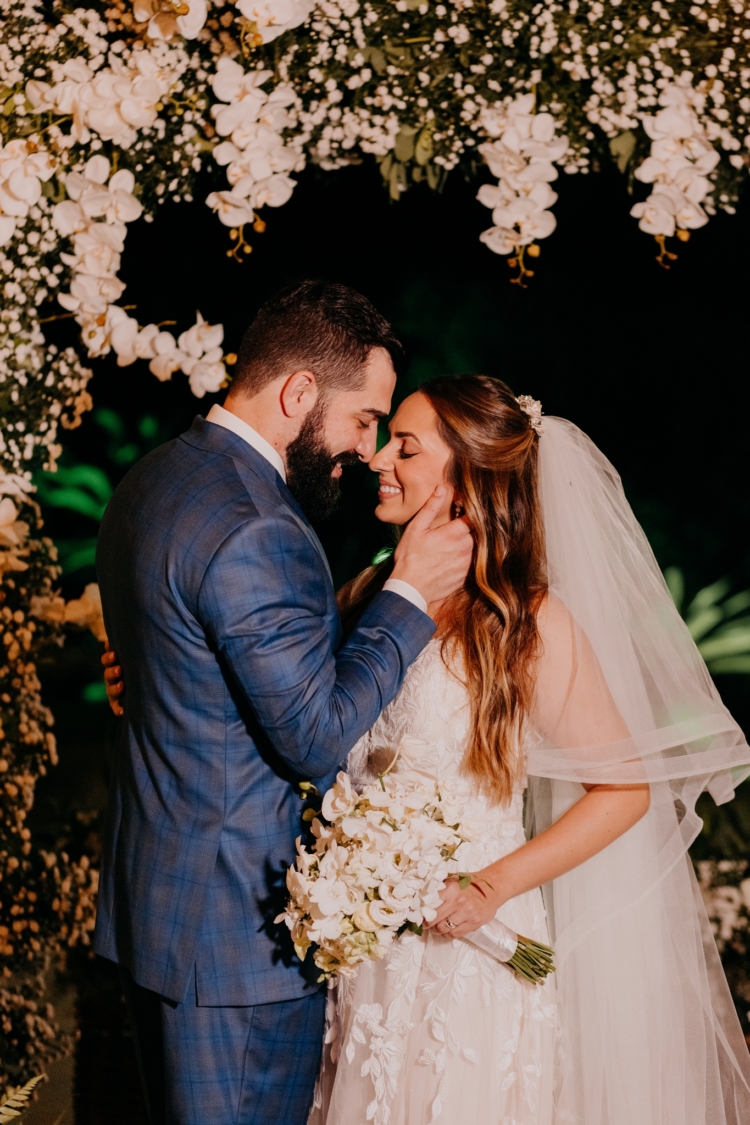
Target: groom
x,y
218,600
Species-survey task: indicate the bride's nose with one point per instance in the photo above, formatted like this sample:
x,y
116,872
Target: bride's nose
x,y
382,461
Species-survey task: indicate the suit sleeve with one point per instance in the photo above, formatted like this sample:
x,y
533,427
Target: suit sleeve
x,y
263,603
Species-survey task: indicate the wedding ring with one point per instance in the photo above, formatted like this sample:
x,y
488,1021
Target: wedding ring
x,y
451,925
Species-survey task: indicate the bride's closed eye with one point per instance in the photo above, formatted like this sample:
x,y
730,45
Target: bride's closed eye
x,y
403,455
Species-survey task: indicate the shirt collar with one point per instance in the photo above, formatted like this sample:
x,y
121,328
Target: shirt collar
x,y
221,417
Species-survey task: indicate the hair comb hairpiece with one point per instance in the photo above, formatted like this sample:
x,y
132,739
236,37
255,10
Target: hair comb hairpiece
x,y
532,408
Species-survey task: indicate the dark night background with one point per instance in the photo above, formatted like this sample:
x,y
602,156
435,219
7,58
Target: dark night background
x,y
650,363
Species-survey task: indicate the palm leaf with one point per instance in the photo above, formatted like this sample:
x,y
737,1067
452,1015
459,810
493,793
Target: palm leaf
x,y
17,1100
722,637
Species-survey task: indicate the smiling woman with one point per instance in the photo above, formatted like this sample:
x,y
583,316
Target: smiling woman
x,y
412,463
562,680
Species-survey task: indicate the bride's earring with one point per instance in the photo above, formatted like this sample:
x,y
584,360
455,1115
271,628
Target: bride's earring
x,y
457,510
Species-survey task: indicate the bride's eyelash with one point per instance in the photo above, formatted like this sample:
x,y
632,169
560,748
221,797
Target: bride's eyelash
x,y
405,456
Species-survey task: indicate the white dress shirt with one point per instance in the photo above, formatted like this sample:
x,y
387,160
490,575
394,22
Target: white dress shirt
x,y
221,417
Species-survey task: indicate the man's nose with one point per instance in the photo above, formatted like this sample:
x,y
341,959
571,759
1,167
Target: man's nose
x,y
367,446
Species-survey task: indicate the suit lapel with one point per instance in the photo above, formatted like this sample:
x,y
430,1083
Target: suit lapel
x,y
217,439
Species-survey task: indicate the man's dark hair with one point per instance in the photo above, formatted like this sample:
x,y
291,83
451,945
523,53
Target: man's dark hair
x,y
316,326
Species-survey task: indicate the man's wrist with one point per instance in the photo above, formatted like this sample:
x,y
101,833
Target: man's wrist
x,y
406,590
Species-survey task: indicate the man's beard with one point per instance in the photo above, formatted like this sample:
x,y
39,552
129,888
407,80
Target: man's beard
x,y
310,464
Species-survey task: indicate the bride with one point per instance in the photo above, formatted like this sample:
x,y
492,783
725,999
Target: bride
x,y
564,701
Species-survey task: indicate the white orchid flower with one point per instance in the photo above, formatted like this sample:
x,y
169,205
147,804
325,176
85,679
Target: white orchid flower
x,y
226,153
11,205
128,341
229,118
274,191
164,22
7,229
11,484
68,218
655,215
10,530
201,338
232,84
206,377
232,211
500,240
86,612
167,356
273,17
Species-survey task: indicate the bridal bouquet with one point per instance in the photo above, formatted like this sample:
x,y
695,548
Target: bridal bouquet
x,y
380,860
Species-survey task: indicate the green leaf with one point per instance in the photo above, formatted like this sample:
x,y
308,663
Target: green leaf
x,y
622,148
126,454
404,147
110,421
708,596
95,692
375,57
424,148
75,554
734,642
464,881
87,476
737,603
701,623
148,427
310,814
76,500
675,580
739,665
434,176
397,180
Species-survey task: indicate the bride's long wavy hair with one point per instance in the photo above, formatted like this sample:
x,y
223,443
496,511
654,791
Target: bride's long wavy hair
x,y
489,625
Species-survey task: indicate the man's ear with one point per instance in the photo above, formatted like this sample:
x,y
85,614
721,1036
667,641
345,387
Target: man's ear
x,y
299,394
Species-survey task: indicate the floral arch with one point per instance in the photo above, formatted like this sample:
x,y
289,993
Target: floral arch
x,y
110,108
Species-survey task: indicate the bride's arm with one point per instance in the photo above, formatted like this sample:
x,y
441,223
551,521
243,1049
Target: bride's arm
x,y
575,709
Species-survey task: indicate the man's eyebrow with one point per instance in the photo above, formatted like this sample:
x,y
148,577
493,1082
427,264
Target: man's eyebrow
x,y
375,413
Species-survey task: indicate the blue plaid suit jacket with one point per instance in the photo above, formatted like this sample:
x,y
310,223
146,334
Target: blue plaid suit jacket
x,y
219,602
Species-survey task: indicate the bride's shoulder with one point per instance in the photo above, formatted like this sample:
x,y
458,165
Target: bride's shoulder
x,y
554,621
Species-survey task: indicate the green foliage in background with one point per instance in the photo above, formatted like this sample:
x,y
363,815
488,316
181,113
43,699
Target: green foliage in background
x,y
715,623
85,490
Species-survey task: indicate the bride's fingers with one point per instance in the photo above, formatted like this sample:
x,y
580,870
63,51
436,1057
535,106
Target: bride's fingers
x,y
450,897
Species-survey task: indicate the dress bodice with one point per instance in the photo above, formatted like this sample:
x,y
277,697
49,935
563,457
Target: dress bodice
x,y
426,730
438,1030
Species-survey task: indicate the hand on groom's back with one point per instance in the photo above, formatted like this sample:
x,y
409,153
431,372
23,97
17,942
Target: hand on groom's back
x,y
434,560
113,681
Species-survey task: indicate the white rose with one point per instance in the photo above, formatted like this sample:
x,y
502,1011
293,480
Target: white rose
x,y
363,919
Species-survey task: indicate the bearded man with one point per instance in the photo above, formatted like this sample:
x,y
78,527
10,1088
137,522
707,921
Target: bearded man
x,y
219,603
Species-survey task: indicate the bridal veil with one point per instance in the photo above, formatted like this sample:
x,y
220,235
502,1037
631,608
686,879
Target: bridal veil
x,y
649,1032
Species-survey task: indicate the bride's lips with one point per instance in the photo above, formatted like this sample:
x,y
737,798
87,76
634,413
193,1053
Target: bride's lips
x,y
388,491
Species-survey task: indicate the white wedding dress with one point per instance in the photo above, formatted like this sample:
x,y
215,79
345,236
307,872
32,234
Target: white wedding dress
x,y
439,1030
637,1026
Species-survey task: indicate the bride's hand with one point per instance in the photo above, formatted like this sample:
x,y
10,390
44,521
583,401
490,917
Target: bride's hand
x,y
113,680
463,911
